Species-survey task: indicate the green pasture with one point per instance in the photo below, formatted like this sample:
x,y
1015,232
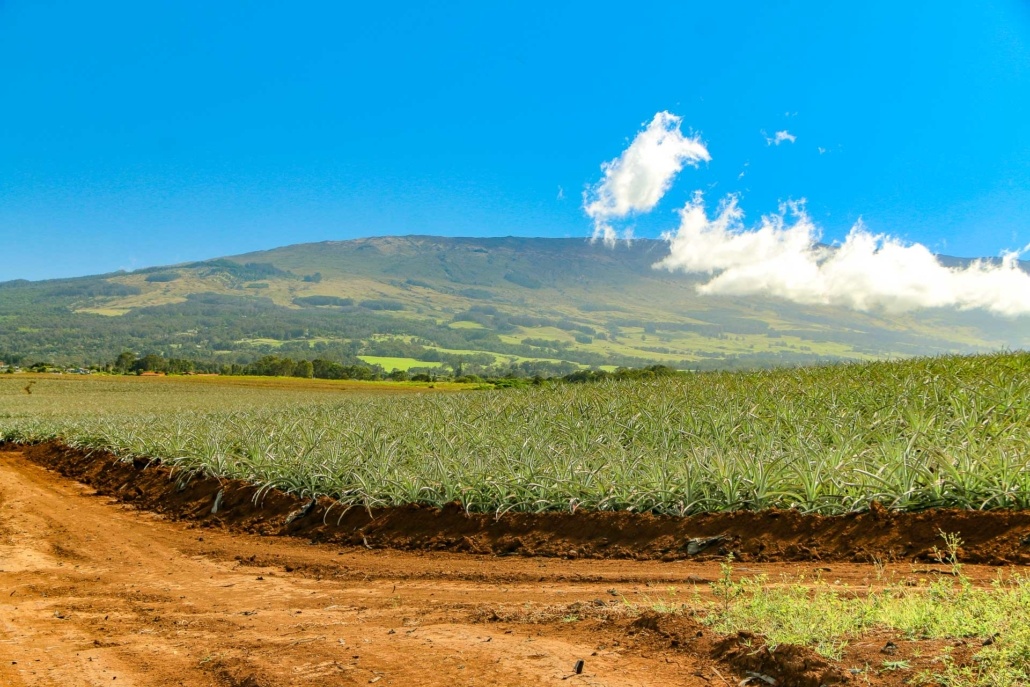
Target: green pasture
x,y
389,364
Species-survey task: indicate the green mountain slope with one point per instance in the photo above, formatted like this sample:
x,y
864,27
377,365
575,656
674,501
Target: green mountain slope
x,y
474,302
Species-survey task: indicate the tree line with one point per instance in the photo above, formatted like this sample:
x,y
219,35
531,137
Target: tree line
x,y
318,368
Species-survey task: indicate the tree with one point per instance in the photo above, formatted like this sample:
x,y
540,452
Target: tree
x,y
178,366
123,363
304,368
149,363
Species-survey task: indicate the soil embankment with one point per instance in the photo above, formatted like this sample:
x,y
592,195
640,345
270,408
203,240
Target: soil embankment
x,y
990,537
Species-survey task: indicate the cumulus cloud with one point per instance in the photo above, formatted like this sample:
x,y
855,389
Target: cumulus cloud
x,y
636,180
779,137
782,257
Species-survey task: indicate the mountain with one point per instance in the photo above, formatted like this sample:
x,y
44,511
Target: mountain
x,y
411,300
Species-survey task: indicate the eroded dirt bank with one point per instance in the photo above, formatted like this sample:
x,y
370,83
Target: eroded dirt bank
x,y
94,592
991,537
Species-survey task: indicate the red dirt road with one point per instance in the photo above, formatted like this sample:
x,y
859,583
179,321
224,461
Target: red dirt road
x,y
93,592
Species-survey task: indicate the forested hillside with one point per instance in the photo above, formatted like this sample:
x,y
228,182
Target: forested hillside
x,y
540,305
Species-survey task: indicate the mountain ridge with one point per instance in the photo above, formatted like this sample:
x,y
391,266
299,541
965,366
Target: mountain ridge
x,y
415,297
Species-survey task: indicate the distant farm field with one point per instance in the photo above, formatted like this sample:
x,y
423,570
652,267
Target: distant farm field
x,y
390,363
949,431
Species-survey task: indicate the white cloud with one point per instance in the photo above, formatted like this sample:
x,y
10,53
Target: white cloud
x,y
779,137
782,257
636,180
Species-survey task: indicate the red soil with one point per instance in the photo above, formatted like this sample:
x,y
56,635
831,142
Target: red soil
x,y
151,588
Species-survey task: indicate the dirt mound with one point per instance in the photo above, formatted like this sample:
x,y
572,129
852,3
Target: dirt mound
x,y
990,537
784,666
743,653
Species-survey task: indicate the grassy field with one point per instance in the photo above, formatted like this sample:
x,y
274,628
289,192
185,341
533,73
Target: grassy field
x,y
914,434
389,363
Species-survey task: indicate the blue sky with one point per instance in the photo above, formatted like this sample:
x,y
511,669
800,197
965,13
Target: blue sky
x,y
135,134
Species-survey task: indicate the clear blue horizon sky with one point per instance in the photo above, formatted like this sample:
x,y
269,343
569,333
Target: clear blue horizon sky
x,y
139,134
